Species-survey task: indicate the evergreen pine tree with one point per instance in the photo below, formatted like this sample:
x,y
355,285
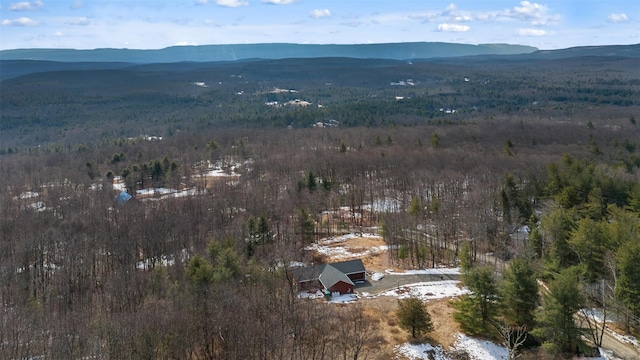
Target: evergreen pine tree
x,y
519,294
556,323
413,317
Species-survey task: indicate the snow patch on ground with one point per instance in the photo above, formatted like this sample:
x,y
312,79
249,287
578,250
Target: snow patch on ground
x,y
625,338
420,351
606,354
428,290
595,314
377,276
118,184
334,299
384,205
155,191
27,195
219,173
477,350
38,206
328,248
337,252
163,260
480,349
343,238
167,193
343,299
310,295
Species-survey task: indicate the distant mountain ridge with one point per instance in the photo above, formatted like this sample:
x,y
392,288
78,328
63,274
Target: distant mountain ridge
x,y
207,53
15,63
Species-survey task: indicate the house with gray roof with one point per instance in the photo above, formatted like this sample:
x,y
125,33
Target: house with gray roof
x,y
338,277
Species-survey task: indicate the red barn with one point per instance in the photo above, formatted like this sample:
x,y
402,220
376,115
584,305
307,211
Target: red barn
x,y
337,277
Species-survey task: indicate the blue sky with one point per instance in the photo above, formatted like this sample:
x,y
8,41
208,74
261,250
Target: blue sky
x,y
154,24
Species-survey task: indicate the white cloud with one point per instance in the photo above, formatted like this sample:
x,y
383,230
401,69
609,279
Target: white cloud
x,y
58,33
462,18
78,4
23,21
320,13
529,9
531,32
452,14
616,18
453,28
279,2
81,21
26,5
232,3
225,3
533,13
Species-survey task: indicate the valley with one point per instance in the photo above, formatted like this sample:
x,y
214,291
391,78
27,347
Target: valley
x,y
159,210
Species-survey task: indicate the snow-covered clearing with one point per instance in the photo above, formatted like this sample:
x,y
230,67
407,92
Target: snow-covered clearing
x,y
118,183
204,170
477,350
343,253
167,193
430,290
329,248
345,237
220,169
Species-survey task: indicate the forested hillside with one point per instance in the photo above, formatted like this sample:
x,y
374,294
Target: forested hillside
x,y
154,211
69,107
233,52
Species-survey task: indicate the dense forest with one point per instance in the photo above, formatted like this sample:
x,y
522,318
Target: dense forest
x,y
522,173
111,102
